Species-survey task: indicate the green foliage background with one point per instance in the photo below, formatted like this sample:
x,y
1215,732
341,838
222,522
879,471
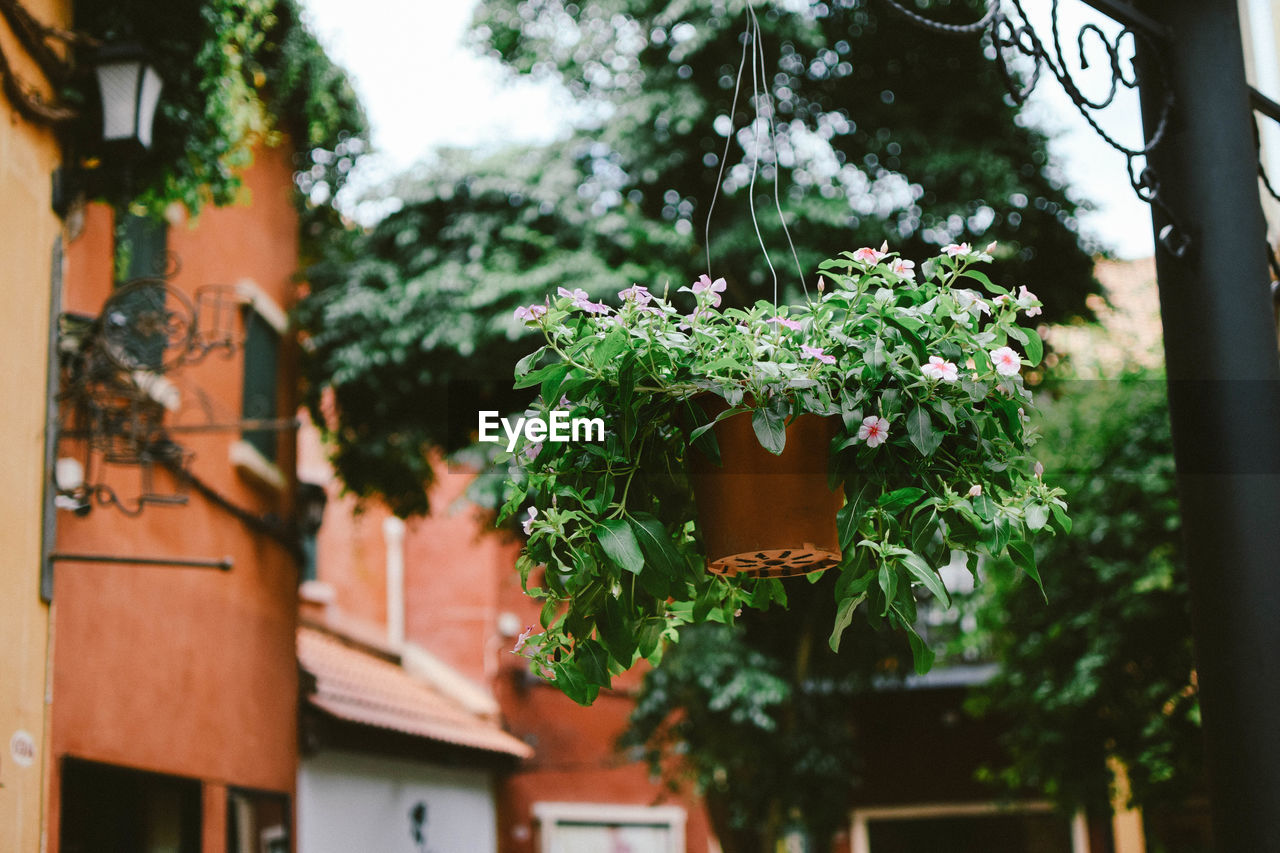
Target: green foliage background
x,y
884,132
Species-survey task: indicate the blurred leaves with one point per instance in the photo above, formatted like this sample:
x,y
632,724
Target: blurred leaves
x,y
1105,669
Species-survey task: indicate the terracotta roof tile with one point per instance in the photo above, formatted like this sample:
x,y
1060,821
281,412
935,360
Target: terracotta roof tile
x,y
358,687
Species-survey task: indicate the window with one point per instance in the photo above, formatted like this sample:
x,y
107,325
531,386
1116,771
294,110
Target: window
x,y
968,828
107,809
261,359
142,247
141,252
257,822
607,828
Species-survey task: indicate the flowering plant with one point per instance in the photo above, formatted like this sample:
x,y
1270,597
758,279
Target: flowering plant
x,y
922,374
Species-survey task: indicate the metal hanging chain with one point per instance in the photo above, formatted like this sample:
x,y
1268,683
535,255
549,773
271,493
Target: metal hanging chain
x,y
1013,32
752,36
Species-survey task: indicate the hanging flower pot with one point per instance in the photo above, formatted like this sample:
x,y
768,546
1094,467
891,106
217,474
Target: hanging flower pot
x,y
763,514
873,431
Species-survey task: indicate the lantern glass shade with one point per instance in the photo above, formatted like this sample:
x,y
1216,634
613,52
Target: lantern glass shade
x,y
130,90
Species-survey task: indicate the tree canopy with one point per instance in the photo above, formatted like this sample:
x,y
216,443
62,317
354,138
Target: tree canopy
x,y
1106,669
883,132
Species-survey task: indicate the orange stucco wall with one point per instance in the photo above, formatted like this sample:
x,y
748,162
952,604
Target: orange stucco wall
x,y
186,671
28,232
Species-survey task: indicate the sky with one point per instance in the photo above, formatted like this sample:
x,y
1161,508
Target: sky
x,y
425,88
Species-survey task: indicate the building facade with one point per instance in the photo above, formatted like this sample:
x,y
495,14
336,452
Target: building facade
x,y
29,244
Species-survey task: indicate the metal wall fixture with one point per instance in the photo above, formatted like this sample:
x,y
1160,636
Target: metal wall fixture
x,y
1015,40
118,389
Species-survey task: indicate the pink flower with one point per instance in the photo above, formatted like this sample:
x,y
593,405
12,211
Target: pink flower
x,y
1039,469
868,256
956,249
530,313
1027,301
793,325
816,352
522,639
874,431
991,247
906,269
531,451
704,284
939,368
527,524
582,301
637,293
1006,361
975,490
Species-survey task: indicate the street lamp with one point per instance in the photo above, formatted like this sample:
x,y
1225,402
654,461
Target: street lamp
x,y
130,89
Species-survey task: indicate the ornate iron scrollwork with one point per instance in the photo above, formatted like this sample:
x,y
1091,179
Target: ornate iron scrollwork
x,y
1013,36
117,391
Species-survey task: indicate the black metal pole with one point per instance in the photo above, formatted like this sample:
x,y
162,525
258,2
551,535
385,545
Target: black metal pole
x,y
223,565
1224,392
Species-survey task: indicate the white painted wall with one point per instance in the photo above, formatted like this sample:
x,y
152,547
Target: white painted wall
x,y
349,802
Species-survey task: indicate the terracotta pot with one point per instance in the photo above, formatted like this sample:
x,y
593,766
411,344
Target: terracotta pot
x,y
765,515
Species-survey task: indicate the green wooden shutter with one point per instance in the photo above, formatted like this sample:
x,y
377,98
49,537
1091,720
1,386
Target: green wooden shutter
x,y
261,359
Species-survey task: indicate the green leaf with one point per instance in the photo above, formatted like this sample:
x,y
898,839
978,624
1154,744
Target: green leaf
x,y
573,683
900,499
523,365
986,282
921,571
649,636
888,580
613,344
618,541
557,369
771,428
656,544
921,432
1037,517
844,617
1034,347
1024,557
1060,516
921,654
614,628
593,662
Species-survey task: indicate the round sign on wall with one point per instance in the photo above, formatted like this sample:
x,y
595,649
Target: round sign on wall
x,y
22,746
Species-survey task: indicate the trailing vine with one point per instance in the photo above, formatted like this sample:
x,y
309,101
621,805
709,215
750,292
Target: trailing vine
x,y
236,73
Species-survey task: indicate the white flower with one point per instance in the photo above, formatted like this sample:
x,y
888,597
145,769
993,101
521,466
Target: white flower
x,y
527,524
1006,361
867,255
971,301
975,490
874,431
906,269
939,368
522,639
957,249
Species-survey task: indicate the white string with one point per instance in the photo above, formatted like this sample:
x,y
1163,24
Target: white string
x,y
777,169
752,34
724,158
755,158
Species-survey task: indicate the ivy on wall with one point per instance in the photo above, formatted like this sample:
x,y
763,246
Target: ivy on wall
x,y
236,73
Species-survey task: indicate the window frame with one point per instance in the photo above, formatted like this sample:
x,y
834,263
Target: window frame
x,y
860,835
551,815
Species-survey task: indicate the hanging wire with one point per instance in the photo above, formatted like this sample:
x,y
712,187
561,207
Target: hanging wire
x,y
777,168
759,92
